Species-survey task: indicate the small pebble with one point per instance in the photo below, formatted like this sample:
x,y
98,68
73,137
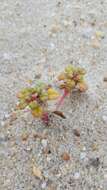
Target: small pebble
x,y
104,117
58,4
82,155
55,29
66,23
77,175
94,147
99,34
48,159
7,56
44,143
37,172
13,117
6,115
105,79
95,162
76,132
105,176
87,32
84,148
29,149
95,44
37,76
52,45
2,123
46,151
65,156
43,186
24,136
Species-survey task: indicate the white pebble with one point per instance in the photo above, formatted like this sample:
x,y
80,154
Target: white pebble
x,y
66,23
82,155
28,148
48,159
43,186
87,32
44,143
77,175
104,117
7,115
7,56
84,148
2,123
105,176
52,45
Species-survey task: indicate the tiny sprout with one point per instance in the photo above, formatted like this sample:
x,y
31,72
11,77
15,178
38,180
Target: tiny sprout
x,y
70,79
36,99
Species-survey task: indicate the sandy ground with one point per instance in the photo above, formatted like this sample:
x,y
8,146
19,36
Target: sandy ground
x,y
39,38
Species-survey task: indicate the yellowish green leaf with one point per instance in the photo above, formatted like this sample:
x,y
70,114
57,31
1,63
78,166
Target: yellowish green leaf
x,y
25,93
69,69
52,94
44,96
70,83
33,105
62,76
37,112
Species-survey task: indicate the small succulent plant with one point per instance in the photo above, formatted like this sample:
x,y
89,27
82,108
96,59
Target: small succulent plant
x,y
72,78
36,99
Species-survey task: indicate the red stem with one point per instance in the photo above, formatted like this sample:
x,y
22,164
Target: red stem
x,y
45,118
61,100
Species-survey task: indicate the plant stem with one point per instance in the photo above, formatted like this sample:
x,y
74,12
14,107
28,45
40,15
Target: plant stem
x,y
61,100
45,118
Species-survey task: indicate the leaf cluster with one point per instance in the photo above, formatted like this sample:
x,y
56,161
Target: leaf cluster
x,y
36,98
72,78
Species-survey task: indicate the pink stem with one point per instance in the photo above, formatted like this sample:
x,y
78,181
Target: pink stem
x,y
61,100
45,118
